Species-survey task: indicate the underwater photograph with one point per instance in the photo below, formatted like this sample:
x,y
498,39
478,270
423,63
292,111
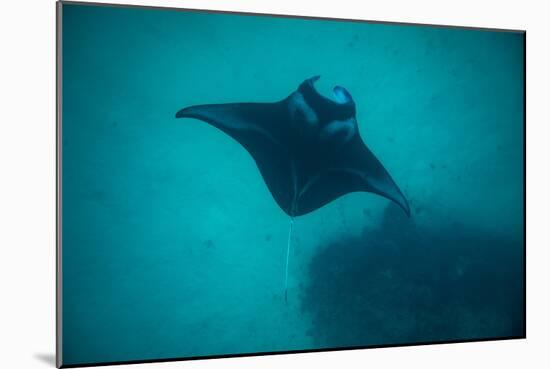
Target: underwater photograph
x,y
238,184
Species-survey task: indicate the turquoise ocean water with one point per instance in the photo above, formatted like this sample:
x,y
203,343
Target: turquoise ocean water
x,y
173,245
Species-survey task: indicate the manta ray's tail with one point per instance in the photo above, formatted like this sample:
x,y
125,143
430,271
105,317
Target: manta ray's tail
x,y
287,256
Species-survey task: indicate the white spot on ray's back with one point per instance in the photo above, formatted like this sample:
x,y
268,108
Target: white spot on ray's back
x,y
298,104
342,129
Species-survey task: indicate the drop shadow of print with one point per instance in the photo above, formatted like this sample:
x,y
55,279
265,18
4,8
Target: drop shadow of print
x,y
402,284
48,359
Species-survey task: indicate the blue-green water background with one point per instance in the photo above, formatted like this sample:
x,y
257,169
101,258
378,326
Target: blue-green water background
x,y
172,244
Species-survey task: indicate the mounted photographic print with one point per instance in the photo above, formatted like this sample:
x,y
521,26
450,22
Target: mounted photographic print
x,y
239,184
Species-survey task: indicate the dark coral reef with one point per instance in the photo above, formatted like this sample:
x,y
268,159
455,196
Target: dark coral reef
x,y
402,283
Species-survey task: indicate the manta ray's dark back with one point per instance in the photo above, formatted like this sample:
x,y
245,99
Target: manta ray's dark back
x,y
306,146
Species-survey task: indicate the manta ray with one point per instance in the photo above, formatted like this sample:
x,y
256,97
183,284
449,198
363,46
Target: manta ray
x,y
306,146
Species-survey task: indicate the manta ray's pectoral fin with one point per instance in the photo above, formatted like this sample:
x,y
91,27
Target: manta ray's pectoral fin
x,y
378,180
356,170
259,128
239,120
